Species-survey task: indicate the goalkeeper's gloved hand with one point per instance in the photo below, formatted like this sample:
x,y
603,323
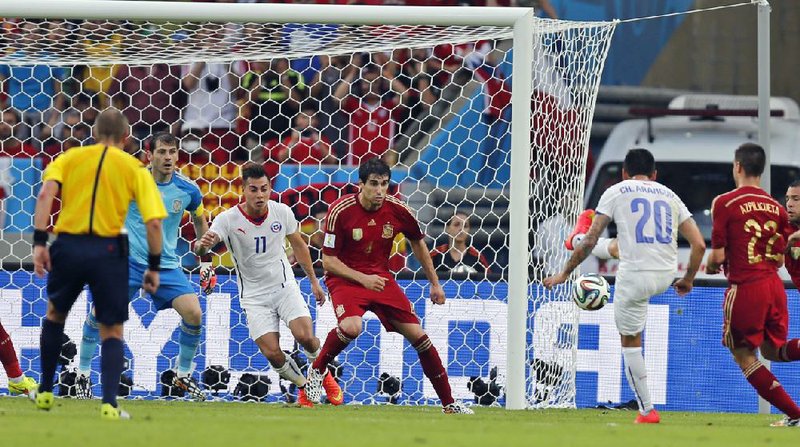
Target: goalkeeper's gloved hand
x,y
208,278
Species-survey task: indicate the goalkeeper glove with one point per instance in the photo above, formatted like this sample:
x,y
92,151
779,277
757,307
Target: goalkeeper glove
x,y
208,278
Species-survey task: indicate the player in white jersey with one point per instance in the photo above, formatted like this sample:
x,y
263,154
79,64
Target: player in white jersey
x,y
254,233
648,217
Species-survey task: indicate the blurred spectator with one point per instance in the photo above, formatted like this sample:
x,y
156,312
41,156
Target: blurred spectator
x,y
312,229
210,110
150,96
372,123
304,144
33,90
10,144
457,256
275,92
414,82
332,119
98,39
72,131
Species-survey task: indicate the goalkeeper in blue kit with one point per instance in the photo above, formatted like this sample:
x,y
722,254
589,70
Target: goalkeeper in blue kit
x,y
179,195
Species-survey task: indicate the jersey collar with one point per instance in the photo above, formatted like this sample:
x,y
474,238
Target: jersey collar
x,y
253,220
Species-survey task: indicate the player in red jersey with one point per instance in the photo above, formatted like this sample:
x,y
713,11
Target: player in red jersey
x,y
792,239
18,383
359,230
748,225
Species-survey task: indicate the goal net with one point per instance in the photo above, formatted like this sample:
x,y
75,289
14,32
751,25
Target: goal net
x,y
310,100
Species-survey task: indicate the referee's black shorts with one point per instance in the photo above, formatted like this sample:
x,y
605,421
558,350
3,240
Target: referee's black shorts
x,y
100,262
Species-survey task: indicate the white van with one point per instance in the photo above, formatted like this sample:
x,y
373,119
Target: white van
x,y
694,156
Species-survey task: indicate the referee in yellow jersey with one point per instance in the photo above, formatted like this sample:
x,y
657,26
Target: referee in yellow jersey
x,y
97,183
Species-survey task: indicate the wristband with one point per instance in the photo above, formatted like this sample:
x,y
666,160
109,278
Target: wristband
x,y
154,262
40,238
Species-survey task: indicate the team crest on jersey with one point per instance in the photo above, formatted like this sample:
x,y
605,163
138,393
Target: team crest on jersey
x,y
339,310
177,205
388,231
358,233
795,253
276,227
371,223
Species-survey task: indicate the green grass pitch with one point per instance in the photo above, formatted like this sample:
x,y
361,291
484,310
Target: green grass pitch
x,y
179,423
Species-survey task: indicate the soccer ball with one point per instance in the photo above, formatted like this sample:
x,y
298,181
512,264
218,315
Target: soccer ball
x,y
590,292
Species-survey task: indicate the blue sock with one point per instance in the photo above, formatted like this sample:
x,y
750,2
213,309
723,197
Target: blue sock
x,y
50,345
89,341
112,361
188,341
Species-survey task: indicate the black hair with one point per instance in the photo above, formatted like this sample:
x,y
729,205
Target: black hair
x,y
164,138
751,158
373,166
639,161
794,184
252,170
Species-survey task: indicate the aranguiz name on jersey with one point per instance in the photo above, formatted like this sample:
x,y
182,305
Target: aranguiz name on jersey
x,y
645,189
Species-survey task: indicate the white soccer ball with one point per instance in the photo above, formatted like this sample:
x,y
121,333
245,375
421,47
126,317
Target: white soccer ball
x,y
591,291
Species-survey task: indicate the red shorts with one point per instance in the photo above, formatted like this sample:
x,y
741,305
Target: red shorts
x,y
755,312
390,305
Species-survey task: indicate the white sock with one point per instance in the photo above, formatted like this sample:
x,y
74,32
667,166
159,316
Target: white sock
x,y
311,356
577,239
601,249
636,372
289,371
16,379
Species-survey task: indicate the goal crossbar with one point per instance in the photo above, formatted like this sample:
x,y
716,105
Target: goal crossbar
x,y
262,13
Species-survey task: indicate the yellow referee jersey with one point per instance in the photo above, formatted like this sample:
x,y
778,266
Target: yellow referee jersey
x,y
98,183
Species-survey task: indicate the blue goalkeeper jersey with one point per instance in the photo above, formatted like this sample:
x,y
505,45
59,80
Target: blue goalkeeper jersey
x,y
179,195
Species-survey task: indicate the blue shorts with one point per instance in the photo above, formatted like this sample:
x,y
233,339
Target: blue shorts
x,y
173,283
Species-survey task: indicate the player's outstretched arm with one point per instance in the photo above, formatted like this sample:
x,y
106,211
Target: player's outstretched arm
x,y
303,256
203,245
691,233
335,266
41,220
423,255
581,252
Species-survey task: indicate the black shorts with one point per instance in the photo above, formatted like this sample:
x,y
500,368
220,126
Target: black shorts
x,y
100,262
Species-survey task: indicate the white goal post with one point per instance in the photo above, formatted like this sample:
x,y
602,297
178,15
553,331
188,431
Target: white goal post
x,y
524,297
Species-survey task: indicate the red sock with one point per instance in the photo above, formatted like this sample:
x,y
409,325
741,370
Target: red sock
x,y
790,351
7,355
433,368
771,390
335,343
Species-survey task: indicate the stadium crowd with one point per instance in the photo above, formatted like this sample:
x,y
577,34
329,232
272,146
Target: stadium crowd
x,y
321,110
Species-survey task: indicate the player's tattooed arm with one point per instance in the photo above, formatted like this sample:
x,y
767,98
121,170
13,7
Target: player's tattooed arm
x,y
588,243
581,252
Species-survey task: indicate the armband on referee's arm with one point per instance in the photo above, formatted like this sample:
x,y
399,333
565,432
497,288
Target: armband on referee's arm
x,y
40,238
154,262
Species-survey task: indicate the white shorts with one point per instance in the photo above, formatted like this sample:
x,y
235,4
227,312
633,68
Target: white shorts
x,y
264,311
632,294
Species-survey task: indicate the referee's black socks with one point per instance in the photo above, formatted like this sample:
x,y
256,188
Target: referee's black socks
x,y
112,361
50,342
